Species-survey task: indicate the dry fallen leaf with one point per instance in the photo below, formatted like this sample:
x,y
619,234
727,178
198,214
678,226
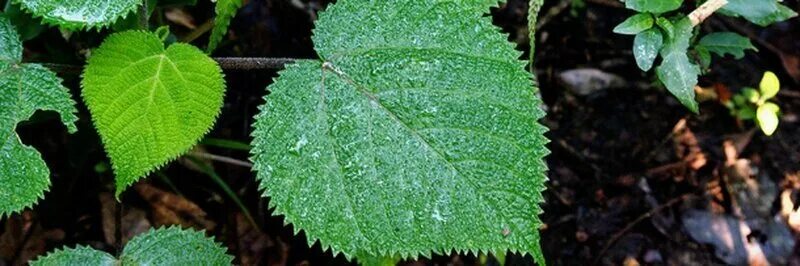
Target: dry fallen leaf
x,y
170,209
134,220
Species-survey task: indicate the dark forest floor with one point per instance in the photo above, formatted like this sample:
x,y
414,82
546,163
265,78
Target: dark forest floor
x,y
634,178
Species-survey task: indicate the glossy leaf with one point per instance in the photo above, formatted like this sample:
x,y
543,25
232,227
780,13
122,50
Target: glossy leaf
x,y
412,137
722,43
150,104
166,246
635,24
646,46
24,89
653,6
761,12
677,73
666,26
79,14
226,10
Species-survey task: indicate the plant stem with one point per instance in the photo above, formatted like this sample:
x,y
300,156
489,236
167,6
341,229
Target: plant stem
x,y
705,10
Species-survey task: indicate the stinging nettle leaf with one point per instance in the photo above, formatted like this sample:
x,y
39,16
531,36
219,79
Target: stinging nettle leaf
x,y
150,104
417,134
722,43
79,255
24,89
646,46
635,24
677,73
164,246
79,14
226,10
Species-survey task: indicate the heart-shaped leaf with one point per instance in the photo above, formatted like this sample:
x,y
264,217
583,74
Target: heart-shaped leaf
x,y
150,104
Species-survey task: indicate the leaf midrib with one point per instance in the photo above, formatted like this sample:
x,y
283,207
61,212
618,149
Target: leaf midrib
x,y
362,89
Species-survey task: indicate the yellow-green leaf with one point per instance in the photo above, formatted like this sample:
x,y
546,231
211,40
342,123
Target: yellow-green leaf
x,y
767,117
769,86
150,104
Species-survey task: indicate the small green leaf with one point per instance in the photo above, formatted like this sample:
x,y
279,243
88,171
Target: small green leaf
x,y
739,100
79,14
767,117
704,56
174,246
751,95
769,86
646,46
722,43
653,6
165,246
409,138
75,256
24,89
666,26
150,104
226,10
761,12
635,24
746,113
677,73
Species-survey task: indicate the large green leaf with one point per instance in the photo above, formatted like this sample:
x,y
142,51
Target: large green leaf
x,y
761,12
166,246
79,14
722,43
653,6
150,104
25,88
676,71
226,10
416,134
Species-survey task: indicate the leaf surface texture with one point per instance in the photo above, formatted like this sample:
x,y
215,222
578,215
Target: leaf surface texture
x,y
416,133
24,89
150,104
79,14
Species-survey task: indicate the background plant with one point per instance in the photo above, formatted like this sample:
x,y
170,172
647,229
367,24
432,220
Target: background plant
x,y
660,29
752,104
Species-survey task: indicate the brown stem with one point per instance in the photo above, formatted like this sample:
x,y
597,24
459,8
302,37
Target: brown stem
x,y
226,63
705,10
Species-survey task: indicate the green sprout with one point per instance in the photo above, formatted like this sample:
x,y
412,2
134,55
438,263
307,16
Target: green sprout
x,y
752,104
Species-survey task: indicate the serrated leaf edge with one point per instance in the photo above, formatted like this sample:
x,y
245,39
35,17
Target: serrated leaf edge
x,y
78,26
170,159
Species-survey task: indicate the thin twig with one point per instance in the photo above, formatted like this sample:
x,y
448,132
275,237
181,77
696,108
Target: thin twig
x,y
222,159
253,63
226,63
705,10
641,218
